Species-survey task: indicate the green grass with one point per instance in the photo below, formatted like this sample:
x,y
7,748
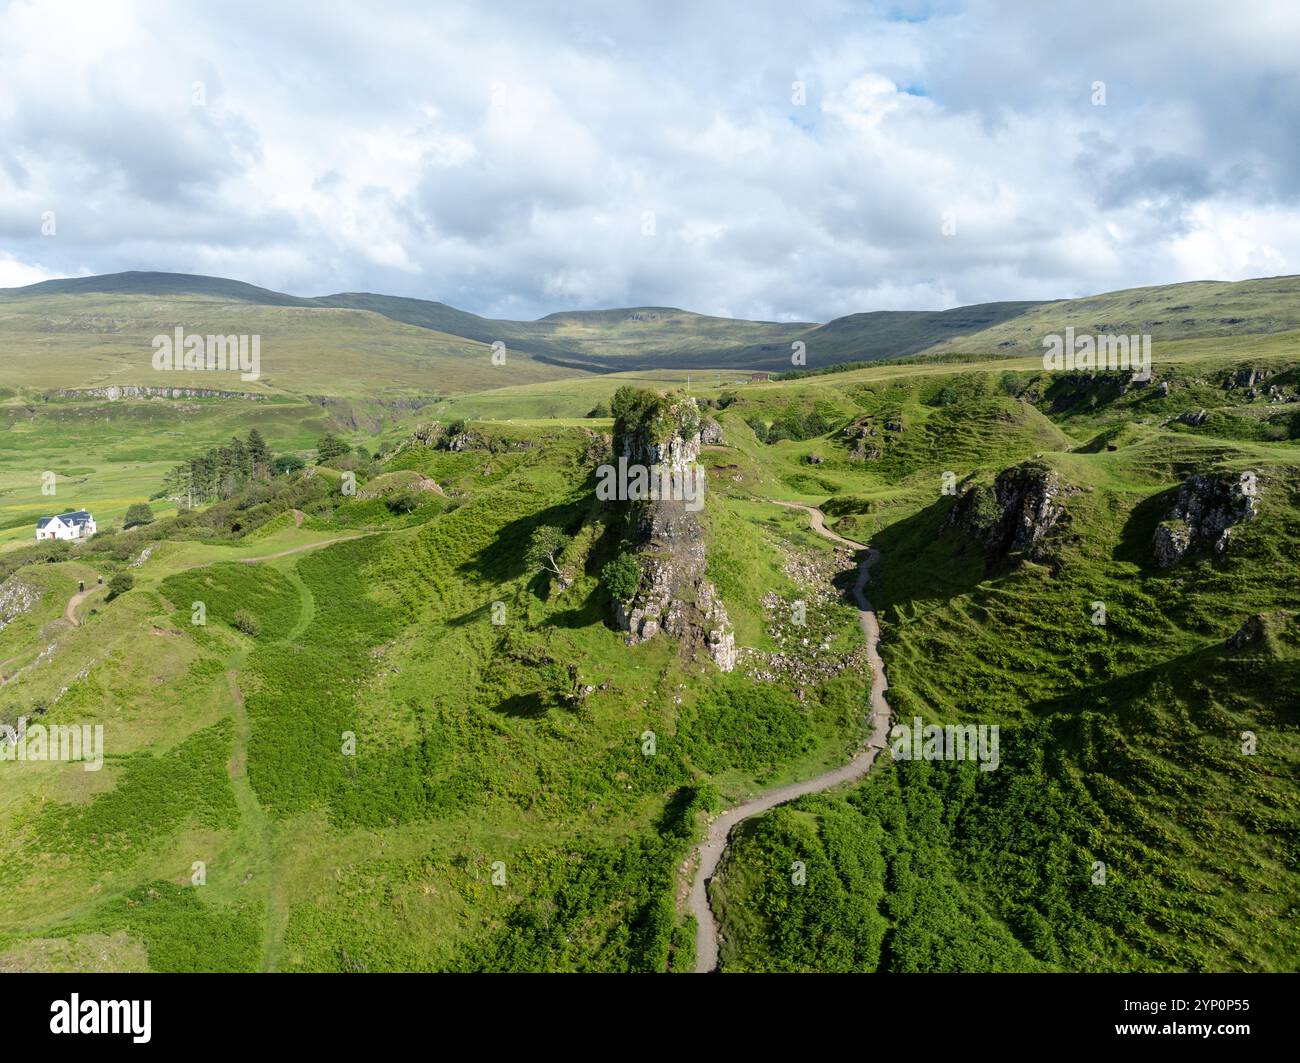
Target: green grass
x,y
517,747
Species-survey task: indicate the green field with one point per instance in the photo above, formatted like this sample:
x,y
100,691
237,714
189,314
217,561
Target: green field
x,y
391,743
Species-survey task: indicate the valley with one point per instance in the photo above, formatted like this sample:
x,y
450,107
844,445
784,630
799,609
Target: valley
x,y
353,723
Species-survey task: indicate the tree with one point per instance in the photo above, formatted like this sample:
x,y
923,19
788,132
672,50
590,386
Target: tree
x,y
330,446
544,547
622,577
138,513
258,452
120,584
288,463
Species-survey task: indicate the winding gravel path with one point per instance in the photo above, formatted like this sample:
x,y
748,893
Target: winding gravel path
x,y
715,843
70,613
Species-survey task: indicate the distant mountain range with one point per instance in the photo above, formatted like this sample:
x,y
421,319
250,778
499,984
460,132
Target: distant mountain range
x,y
97,327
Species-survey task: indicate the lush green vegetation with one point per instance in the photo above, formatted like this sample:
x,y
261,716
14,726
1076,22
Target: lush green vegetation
x,y
392,746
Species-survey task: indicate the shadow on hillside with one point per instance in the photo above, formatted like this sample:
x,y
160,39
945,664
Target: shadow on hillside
x,y
503,558
1188,687
592,610
528,705
1135,537
917,564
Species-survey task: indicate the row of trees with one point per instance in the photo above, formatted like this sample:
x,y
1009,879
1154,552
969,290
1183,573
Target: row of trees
x,y
221,472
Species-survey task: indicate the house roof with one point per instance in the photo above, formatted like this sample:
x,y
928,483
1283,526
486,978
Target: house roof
x,y
75,516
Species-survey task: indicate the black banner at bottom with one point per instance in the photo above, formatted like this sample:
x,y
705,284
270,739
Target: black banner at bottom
x,y
1220,1012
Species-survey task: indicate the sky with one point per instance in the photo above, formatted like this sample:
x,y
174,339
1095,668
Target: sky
x,y
776,160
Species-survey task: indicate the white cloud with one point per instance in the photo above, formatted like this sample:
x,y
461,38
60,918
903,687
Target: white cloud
x,y
15,274
501,158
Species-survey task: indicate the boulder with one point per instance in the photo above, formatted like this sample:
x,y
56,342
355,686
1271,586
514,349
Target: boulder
x,y
710,433
1015,515
1207,508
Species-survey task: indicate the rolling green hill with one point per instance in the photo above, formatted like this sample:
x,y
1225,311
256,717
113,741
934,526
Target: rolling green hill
x,y
392,743
93,331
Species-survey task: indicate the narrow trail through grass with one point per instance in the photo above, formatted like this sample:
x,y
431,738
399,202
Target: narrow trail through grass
x,y
258,832
715,843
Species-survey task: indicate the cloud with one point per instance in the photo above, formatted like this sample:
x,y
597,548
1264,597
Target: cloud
x,y
765,159
15,274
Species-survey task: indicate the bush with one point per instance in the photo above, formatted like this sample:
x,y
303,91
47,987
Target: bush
x,y
406,501
246,622
622,577
120,584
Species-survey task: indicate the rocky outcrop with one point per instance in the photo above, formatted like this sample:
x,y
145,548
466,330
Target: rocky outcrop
x,y
674,595
17,597
868,439
135,391
1207,508
1015,514
1195,418
1259,633
711,433
1248,377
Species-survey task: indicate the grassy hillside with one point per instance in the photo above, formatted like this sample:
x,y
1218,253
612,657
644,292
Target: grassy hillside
x,y
95,340
1122,744
1191,310
392,744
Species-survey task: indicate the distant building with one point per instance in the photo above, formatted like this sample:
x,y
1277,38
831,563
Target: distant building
x,y
77,524
758,378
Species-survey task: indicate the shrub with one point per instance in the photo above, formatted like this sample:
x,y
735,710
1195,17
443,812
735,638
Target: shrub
x,y
622,577
406,501
246,622
120,584
330,446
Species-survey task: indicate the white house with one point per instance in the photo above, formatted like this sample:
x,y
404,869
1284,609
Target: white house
x,y
75,525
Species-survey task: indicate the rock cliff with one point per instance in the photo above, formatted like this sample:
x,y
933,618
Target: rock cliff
x,y
674,595
1206,510
1015,514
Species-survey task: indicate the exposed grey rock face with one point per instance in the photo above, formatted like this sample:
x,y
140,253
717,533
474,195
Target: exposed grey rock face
x,y
869,440
674,595
136,391
1248,378
1251,632
1259,633
1208,507
1015,514
1193,417
710,433
1171,541
16,598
